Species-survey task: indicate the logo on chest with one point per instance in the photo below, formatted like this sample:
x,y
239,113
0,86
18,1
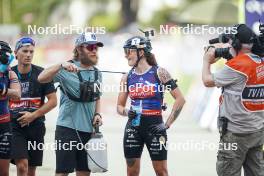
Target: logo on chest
x,y
142,90
24,87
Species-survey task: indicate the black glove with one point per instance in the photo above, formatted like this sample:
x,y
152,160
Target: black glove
x,y
159,128
132,114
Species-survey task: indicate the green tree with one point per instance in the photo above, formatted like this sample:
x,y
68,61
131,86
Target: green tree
x,y
129,10
24,12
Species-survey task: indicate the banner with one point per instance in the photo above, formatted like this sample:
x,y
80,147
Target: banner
x,y
254,11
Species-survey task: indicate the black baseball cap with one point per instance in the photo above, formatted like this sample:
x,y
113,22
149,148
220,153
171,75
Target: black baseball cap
x,y
244,33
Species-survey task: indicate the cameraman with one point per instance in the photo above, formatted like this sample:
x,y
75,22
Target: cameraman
x,y
9,88
241,107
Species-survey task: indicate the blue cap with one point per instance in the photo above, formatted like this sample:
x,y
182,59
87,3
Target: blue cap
x,y
24,41
87,38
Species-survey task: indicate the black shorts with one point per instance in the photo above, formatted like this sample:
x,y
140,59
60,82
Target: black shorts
x,y
5,140
70,158
136,137
28,142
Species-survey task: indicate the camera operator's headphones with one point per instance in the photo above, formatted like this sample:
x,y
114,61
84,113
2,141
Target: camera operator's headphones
x,y
224,38
236,42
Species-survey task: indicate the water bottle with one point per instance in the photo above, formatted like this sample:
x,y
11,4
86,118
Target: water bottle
x,y
136,121
97,152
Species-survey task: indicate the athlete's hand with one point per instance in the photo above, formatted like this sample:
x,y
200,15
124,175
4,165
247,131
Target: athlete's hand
x,y
131,114
159,128
70,67
26,118
97,120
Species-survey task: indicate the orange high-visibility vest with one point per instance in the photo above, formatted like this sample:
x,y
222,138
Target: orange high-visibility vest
x,y
252,96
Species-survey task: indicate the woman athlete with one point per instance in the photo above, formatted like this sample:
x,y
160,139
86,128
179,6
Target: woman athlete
x,y
145,85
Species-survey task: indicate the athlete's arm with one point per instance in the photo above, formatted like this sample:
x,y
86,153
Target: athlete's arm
x,y
97,120
29,117
165,77
122,97
98,106
98,102
14,90
47,74
48,106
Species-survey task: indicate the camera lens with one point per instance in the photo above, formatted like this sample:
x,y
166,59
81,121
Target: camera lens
x,y
4,58
223,52
4,61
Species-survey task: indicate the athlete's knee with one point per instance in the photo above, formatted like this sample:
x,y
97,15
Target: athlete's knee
x,y
133,167
82,173
32,171
22,167
4,168
161,171
132,171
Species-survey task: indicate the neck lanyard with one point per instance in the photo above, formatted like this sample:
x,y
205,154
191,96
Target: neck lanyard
x,y
28,74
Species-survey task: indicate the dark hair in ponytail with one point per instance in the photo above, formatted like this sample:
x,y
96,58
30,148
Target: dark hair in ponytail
x,y
151,60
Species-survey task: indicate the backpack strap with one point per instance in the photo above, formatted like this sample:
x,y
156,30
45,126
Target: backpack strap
x,y
80,76
95,74
59,86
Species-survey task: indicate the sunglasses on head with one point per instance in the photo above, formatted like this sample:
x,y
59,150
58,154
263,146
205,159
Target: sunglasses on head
x,y
27,40
24,41
91,47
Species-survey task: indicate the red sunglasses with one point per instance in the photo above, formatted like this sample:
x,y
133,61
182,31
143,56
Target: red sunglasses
x,y
91,47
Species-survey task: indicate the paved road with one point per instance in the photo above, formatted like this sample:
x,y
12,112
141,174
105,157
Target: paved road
x,y
183,158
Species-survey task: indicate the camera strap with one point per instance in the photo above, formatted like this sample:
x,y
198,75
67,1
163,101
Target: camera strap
x,y
223,121
80,140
